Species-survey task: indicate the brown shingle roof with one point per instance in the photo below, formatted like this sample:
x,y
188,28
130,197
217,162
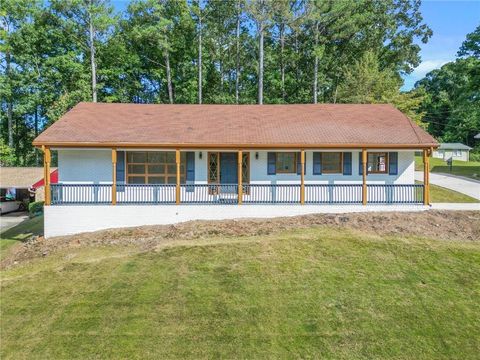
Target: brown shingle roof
x,y
20,177
348,125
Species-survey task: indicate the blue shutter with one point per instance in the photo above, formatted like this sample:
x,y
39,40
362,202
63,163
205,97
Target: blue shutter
x,y
272,163
317,163
120,171
299,163
393,163
120,166
190,168
347,163
360,168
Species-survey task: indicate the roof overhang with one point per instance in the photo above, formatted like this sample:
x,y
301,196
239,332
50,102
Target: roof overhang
x,y
236,146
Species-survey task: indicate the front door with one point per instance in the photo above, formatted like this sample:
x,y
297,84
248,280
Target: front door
x,y
228,171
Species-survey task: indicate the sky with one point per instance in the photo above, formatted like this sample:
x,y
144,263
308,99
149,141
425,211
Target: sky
x,y
450,21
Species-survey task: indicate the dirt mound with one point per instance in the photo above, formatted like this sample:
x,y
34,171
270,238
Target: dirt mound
x,y
442,225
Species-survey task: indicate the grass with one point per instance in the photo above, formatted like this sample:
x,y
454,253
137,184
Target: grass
x,y
21,232
470,169
440,194
311,293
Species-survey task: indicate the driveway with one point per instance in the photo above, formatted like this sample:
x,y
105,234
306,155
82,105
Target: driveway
x,y
462,185
9,220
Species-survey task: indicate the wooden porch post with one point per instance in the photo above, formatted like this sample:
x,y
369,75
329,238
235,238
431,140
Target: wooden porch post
x,y
114,176
426,176
47,158
177,190
239,176
302,177
364,176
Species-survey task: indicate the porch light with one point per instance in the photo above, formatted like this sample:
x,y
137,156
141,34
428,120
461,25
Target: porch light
x,y
200,155
256,155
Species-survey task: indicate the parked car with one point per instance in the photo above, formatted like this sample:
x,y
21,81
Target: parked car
x,y
12,199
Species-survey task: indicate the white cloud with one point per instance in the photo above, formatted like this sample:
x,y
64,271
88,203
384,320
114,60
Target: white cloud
x,y
427,66
420,72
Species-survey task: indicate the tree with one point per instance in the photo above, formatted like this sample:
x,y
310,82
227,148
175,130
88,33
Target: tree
x,y
471,45
13,15
260,11
149,27
364,82
56,53
198,13
88,22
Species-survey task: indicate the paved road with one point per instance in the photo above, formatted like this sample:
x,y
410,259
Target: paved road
x,y
8,221
464,186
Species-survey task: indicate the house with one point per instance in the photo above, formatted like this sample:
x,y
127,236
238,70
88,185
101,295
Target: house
x,y
455,151
138,164
20,185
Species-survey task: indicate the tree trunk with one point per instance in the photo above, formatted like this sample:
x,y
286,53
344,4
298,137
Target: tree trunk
x,y
315,67
199,56
10,99
282,65
296,56
220,68
260,64
37,160
169,77
237,61
92,57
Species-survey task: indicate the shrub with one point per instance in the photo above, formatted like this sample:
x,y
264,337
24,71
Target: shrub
x,y
35,208
475,156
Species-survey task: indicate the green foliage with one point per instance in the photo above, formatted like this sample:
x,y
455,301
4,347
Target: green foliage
x,y
35,208
7,157
452,102
364,82
361,45
410,104
471,46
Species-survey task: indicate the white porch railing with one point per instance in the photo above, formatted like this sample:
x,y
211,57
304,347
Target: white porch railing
x,y
64,194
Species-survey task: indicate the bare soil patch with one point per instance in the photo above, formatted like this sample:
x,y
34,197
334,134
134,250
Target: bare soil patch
x,y
441,225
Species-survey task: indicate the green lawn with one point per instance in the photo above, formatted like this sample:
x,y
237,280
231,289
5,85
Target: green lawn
x,y
440,194
304,293
21,232
469,169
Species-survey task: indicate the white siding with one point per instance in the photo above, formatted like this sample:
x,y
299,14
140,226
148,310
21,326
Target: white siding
x,y
94,166
406,171
85,166
447,154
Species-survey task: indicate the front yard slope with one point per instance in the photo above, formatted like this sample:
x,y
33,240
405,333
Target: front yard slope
x,y
314,289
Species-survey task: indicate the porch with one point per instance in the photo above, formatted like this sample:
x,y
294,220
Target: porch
x,y
268,177
229,194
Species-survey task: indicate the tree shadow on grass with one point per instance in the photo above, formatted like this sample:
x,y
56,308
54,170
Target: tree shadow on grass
x,y
22,232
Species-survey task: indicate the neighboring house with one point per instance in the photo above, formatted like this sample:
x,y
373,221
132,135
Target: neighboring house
x,y
20,185
477,136
226,161
455,151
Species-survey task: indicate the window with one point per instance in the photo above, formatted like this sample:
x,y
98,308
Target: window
x,y
332,162
286,163
457,153
154,167
377,163
213,167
